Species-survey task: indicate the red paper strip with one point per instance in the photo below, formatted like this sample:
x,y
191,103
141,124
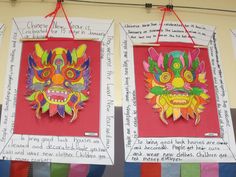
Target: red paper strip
x,y
19,169
151,170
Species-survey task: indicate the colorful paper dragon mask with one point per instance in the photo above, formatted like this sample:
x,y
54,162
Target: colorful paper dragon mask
x,y
176,84
58,80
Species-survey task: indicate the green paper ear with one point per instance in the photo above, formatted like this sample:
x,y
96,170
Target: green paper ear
x,y
74,56
44,58
195,64
186,59
41,53
166,62
153,67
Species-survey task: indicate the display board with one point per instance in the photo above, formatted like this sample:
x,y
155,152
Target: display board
x,y
58,101
172,92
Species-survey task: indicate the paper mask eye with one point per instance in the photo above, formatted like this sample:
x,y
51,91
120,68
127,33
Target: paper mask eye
x,y
188,76
165,77
71,74
46,73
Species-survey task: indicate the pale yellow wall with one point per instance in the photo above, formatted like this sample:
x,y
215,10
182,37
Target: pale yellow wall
x,y
223,22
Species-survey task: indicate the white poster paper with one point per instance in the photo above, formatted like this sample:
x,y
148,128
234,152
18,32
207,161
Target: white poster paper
x,y
63,149
173,149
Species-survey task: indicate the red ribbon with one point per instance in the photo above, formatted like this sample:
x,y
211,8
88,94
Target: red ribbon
x,y
167,9
54,14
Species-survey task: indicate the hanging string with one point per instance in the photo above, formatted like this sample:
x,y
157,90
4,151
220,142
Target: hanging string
x,y
184,27
169,8
162,21
54,14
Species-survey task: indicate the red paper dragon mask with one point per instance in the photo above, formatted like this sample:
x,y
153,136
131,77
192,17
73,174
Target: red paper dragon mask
x,y
176,84
58,80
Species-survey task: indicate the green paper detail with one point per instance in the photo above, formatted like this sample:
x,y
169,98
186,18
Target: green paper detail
x,y
83,97
31,97
195,64
44,58
176,70
74,56
158,90
166,61
68,109
45,107
196,91
153,67
186,60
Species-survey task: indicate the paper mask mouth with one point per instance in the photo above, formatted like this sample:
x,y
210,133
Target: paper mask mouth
x,y
57,95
